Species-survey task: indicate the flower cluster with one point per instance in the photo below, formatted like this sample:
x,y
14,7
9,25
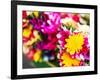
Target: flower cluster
x,y
56,36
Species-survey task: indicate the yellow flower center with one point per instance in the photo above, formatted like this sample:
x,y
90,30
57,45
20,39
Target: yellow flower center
x,y
74,43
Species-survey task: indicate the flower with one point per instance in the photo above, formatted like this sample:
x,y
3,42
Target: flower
x,y
70,23
33,38
48,43
36,14
74,43
48,23
84,29
37,56
24,14
25,21
34,55
76,17
70,20
52,23
48,34
27,31
66,60
62,35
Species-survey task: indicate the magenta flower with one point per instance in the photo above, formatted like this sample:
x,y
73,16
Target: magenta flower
x,y
48,23
49,43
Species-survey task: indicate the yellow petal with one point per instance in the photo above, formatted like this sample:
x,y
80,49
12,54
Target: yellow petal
x,y
37,56
68,61
36,13
26,32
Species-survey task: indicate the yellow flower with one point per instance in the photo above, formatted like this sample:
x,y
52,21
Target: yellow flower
x,y
27,31
74,43
67,61
34,39
37,56
36,13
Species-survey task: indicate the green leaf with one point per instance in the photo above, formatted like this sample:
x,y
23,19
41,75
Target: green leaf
x,y
73,29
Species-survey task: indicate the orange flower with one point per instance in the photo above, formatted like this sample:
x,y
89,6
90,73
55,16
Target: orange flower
x,y
67,61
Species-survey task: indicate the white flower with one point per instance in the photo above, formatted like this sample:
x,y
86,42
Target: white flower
x,y
29,12
83,29
69,22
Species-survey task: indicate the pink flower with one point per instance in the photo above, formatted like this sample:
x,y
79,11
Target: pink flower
x,y
62,35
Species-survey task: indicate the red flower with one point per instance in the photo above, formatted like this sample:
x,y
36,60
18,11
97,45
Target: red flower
x,y
84,49
76,18
24,14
